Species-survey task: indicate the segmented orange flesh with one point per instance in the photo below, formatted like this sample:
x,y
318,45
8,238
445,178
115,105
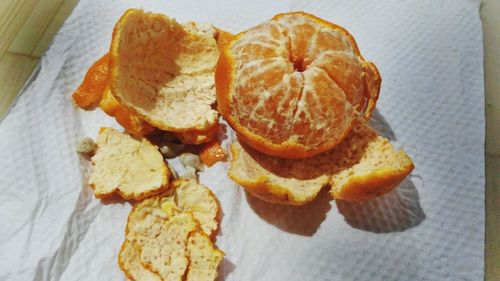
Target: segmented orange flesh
x,y
291,86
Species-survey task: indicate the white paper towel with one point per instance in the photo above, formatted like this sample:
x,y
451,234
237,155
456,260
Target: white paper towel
x,y
431,228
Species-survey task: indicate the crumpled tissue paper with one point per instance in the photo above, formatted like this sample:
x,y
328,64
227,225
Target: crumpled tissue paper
x,y
430,57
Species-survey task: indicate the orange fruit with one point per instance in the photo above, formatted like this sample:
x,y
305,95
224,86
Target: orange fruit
x,y
89,93
290,87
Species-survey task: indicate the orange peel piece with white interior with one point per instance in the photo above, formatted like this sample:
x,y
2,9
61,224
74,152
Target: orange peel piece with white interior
x,y
169,237
164,71
131,122
130,167
364,165
94,90
292,86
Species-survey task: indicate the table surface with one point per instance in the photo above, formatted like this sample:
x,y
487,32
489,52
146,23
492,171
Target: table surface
x,y
28,26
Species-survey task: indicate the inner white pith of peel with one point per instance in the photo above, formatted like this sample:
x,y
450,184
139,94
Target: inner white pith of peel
x,y
363,154
165,72
172,234
122,162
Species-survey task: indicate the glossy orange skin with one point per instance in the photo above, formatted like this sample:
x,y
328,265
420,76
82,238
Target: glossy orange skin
x,y
212,153
89,93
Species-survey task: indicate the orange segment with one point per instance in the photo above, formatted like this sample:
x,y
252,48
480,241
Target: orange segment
x,y
273,105
372,86
328,116
290,87
260,42
326,40
300,32
90,91
212,153
312,19
345,69
363,95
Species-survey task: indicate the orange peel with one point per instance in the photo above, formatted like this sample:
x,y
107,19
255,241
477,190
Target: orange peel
x,y
163,71
364,165
89,93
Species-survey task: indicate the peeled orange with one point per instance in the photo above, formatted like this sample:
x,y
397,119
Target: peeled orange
x,y
291,87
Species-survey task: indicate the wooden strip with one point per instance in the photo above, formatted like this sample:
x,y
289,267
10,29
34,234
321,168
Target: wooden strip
x,y
490,9
491,25
33,28
14,71
58,19
493,128
12,18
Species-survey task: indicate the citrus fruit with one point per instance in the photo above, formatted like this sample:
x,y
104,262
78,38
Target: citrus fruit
x,y
130,167
290,87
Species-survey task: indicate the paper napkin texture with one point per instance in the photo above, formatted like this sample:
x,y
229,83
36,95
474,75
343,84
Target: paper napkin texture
x,y
430,57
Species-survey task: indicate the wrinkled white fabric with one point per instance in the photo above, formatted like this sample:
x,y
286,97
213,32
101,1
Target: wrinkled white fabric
x,y
430,56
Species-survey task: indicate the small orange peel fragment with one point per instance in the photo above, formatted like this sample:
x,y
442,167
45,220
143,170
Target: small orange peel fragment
x,y
212,152
90,91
